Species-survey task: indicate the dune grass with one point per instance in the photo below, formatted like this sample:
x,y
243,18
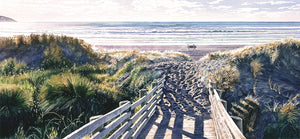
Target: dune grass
x,y
68,83
268,72
13,109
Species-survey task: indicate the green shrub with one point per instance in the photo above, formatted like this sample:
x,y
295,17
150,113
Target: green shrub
x,y
71,95
54,59
13,109
87,69
11,67
67,91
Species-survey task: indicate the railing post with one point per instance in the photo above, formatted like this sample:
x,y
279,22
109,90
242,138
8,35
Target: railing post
x,y
122,102
212,86
94,118
219,92
224,102
238,121
154,83
142,93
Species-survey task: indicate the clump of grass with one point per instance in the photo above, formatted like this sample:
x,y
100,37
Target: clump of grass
x,y
13,109
218,55
59,51
226,78
287,125
67,93
256,67
54,58
12,67
248,110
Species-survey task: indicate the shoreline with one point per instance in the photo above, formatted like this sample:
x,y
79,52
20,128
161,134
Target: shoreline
x,y
195,54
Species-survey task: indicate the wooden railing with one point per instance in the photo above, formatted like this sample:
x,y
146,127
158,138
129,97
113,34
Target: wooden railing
x,y
122,121
224,124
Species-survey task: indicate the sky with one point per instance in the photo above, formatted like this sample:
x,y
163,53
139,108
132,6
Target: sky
x,y
150,10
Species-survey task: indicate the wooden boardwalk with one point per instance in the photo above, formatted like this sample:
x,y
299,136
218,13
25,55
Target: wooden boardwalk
x,y
160,127
178,106
184,111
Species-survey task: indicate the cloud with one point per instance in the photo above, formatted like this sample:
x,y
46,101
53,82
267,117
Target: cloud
x,y
293,7
245,4
215,2
248,9
275,2
222,7
149,10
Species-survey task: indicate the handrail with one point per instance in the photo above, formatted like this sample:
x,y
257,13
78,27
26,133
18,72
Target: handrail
x,y
223,123
128,126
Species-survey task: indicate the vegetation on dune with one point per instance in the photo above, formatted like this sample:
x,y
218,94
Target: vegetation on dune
x,y
288,125
269,73
13,109
226,78
51,85
248,110
47,51
12,67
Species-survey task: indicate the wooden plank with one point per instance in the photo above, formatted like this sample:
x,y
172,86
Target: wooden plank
x,y
93,125
137,122
104,131
122,129
150,112
134,136
140,119
139,102
144,98
227,125
126,135
137,114
161,80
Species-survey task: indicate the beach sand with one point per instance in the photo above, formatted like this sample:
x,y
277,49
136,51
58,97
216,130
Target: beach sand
x,y
195,54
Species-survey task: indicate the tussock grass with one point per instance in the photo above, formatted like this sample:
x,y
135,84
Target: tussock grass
x,y
248,110
287,125
226,78
13,109
71,82
268,72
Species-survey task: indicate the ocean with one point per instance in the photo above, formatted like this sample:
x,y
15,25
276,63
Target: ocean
x,y
161,33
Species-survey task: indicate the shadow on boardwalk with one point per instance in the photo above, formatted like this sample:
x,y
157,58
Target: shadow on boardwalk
x,y
184,111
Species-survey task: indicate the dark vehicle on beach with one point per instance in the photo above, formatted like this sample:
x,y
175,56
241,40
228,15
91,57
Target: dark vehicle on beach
x,y
191,47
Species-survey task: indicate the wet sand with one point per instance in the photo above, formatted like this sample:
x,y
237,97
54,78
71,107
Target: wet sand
x,y
195,54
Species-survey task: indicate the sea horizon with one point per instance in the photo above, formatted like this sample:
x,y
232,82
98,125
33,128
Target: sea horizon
x,y
134,33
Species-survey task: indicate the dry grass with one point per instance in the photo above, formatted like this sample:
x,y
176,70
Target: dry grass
x,y
257,67
226,78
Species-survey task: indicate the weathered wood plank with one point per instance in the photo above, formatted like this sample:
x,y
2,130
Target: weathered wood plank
x,y
225,126
137,114
126,135
122,129
137,118
144,98
105,130
137,122
143,124
93,125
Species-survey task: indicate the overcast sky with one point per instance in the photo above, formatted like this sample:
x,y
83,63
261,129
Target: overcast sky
x,y
151,10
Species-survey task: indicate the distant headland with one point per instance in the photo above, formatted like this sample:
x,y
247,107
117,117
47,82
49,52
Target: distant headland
x,y
6,19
